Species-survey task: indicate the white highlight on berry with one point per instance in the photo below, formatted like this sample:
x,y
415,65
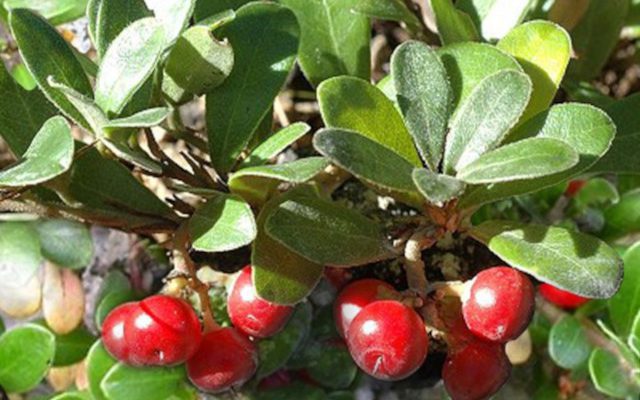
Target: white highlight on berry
x,y
485,298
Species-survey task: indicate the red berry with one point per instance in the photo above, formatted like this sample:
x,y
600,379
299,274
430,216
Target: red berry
x,y
226,359
498,304
354,298
388,340
113,331
574,187
560,297
251,314
161,331
476,371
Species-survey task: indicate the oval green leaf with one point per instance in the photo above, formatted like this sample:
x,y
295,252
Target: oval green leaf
x,y
125,382
624,305
275,144
436,188
610,377
107,18
99,362
65,243
568,343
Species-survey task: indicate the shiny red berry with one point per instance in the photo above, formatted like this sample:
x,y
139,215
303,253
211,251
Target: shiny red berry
x,y
161,330
251,314
113,331
226,359
476,371
498,304
354,298
561,297
388,340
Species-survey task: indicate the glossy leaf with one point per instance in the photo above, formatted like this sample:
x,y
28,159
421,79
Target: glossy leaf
x,y
26,353
46,53
609,376
275,144
392,10
569,260
354,104
526,159
495,17
128,62
264,37
132,383
485,118
436,188
588,130
366,159
334,41
198,62
72,347
22,113
49,155
468,64
568,343
173,15
624,305
327,233
279,274
275,351
108,18
56,11
66,243
543,49
99,362
424,96
223,223
595,37
453,25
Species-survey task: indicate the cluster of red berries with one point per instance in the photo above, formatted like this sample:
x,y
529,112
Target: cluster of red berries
x,y
165,331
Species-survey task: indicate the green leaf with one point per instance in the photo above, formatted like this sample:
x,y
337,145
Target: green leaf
x,y
50,154
624,305
99,362
495,18
624,217
526,159
144,119
72,347
92,114
453,25
125,382
114,290
543,49
208,8
264,37
327,233
634,336
609,376
110,17
354,104
73,396
223,223
486,116
275,144
569,260
595,37
392,10
568,343
424,96
468,64
588,130
294,391
22,113
23,77
56,11
65,243
257,184
333,357
126,67
366,159
46,53
436,188
279,274
198,62
275,351
334,41
2,327
20,255
173,15
25,357
597,192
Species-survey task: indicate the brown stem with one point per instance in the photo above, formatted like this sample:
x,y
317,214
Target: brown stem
x,y
413,263
181,243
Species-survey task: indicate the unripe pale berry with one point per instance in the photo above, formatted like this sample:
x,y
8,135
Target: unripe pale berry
x,y
476,371
560,297
498,304
226,359
161,331
251,314
113,331
354,298
388,340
